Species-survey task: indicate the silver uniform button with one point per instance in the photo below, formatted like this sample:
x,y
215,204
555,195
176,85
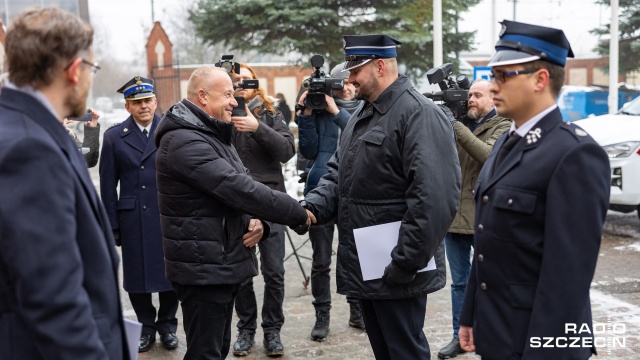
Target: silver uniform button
x,y
480,258
485,199
483,286
480,228
510,202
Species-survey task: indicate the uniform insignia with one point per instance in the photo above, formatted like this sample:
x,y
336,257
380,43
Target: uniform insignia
x,y
533,136
138,81
114,125
580,132
125,129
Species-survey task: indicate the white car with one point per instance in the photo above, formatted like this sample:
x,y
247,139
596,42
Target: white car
x,y
619,135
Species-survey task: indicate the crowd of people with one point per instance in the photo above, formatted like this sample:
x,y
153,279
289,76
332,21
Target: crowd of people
x,y
189,196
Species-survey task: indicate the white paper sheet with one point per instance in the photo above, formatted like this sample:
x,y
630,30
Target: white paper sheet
x,y
374,244
133,329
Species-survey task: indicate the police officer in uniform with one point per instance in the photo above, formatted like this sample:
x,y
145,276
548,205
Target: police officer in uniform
x,y
541,200
128,158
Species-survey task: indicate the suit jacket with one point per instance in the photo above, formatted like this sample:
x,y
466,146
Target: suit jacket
x,y
539,220
59,293
129,159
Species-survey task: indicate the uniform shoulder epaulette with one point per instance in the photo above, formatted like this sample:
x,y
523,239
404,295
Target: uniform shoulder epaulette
x,y
114,125
576,131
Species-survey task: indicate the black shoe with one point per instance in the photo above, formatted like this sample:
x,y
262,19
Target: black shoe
x,y
145,342
355,316
244,342
169,341
452,350
272,344
321,328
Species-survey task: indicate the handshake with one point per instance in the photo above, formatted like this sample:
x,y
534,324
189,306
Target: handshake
x,y
303,228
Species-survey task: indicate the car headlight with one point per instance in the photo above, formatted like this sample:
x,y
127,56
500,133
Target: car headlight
x,y
623,149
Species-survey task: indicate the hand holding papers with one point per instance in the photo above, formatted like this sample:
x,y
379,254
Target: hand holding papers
x,y
374,244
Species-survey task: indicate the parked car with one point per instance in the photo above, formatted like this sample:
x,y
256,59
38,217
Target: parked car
x,y
619,135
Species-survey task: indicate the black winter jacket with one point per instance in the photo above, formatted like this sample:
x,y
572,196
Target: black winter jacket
x,y
263,151
397,161
206,200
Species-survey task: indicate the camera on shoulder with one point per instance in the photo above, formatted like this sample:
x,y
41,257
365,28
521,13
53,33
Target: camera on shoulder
x,y
319,85
454,95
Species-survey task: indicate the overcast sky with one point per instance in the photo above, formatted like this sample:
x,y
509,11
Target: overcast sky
x,y
124,20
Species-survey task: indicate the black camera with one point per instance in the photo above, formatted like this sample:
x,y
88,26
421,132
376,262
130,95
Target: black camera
x,y
319,84
227,63
454,95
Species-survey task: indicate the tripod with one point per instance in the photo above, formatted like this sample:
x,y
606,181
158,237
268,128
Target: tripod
x,y
305,282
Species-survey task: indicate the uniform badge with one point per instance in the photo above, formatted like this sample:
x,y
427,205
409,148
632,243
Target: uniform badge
x,y
533,136
125,130
580,132
138,81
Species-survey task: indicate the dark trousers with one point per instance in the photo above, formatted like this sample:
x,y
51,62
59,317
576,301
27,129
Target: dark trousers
x,y
458,249
272,268
207,311
321,237
395,327
145,311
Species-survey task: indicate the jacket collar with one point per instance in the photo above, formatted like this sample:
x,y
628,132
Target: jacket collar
x,y
192,114
390,95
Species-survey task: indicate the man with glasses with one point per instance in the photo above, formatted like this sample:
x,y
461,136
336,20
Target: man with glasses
x,y
541,200
59,291
128,162
396,166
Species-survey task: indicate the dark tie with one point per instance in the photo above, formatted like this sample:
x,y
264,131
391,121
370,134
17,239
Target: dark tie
x,y
145,133
506,147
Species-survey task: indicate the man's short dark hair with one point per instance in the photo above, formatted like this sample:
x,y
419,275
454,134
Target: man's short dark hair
x,y
556,74
40,42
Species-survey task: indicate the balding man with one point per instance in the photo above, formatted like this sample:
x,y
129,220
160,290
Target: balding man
x,y
397,163
209,208
475,137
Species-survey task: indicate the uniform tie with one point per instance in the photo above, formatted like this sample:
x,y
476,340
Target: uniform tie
x,y
145,132
506,148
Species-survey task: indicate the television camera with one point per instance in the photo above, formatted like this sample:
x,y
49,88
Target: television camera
x,y
318,85
454,95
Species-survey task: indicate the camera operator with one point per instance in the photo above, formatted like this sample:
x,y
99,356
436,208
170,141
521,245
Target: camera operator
x,y
475,137
263,142
319,132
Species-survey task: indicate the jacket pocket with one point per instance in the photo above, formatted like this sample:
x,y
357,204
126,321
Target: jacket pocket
x,y
515,200
127,203
374,137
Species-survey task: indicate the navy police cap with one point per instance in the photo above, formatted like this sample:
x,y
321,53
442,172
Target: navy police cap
x,y
520,43
360,49
137,88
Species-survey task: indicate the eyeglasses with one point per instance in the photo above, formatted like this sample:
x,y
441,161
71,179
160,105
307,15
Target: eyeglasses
x,y
94,66
501,76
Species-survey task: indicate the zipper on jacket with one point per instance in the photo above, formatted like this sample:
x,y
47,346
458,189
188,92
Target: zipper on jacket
x,y
225,241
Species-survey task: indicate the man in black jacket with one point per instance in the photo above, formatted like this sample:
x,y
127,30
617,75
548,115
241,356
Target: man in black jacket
x,y
209,208
263,142
397,163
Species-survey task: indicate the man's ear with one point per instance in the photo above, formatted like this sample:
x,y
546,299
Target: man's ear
x,y
73,71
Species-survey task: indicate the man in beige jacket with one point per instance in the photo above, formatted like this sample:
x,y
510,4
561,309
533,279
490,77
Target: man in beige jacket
x,y
475,137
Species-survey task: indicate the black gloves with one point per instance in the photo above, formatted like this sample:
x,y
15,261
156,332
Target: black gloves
x,y
116,236
303,177
393,275
300,229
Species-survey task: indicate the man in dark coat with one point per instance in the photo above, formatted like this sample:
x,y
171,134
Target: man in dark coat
x,y
128,160
210,210
59,292
319,132
541,200
397,163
